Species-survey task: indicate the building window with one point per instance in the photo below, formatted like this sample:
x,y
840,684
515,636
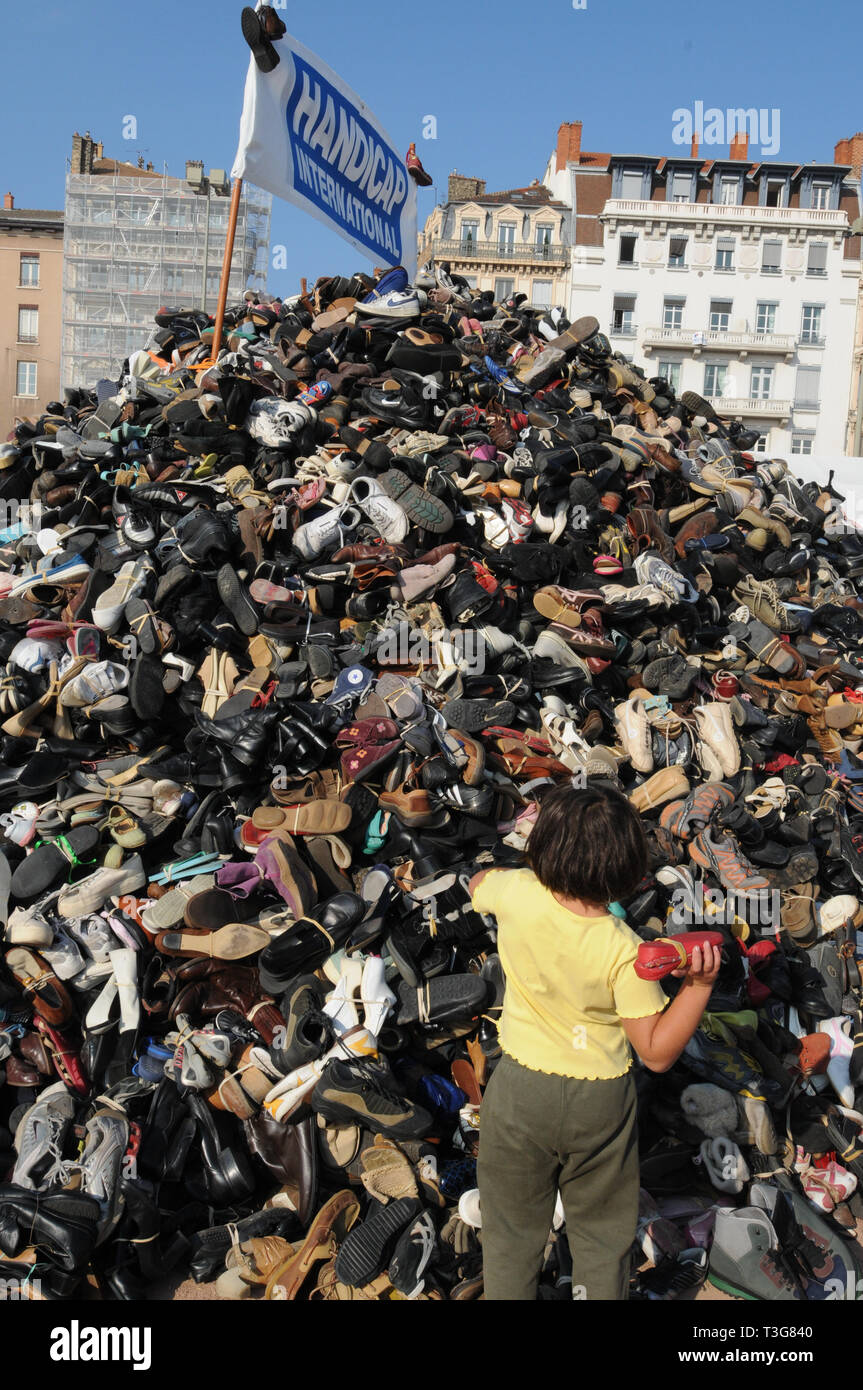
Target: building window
x,y
471,280
724,253
817,262
506,236
728,191
28,324
771,258
542,294
97,275
681,188
765,318
623,316
761,444
29,271
672,313
821,195
25,379
544,237
677,253
720,313
503,290
801,443
470,231
631,184
670,372
761,383
810,331
626,253
774,196
807,392
715,374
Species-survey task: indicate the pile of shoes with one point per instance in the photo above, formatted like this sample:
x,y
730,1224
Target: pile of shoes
x,y
296,631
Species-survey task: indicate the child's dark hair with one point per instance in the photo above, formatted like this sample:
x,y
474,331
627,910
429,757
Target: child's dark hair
x,y
587,844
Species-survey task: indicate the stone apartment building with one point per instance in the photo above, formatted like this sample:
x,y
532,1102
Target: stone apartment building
x,y
31,278
733,278
512,242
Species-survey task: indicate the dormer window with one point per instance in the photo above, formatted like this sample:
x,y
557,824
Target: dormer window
x,y
774,193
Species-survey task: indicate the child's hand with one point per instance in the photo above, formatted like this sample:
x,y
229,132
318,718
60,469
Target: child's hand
x,y
704,968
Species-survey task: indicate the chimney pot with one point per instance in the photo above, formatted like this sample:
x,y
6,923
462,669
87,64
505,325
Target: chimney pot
x,y
9,202
693,149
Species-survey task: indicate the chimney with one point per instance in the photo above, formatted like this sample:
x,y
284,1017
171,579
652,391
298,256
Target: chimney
x,y
460,188
83,152
568,144
99,154
8,202
739,147
851,152
693,148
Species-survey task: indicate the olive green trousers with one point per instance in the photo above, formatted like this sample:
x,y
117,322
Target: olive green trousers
x,y
540,1133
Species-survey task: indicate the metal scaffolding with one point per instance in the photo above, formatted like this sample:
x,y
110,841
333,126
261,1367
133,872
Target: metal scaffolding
x,y
132,244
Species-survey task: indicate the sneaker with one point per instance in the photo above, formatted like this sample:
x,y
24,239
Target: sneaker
x,y
364,1092
721,856
39,1140
413,1254
87,897
746,1260
392,304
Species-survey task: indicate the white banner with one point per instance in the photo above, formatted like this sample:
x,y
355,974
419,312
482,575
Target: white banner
x,y
307,138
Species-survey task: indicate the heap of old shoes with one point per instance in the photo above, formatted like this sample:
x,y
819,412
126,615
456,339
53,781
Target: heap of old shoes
x,y
293,642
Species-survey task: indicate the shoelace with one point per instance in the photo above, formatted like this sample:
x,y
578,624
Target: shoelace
x,y
376,1082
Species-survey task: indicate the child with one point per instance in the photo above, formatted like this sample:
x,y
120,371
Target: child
x,y
559,1110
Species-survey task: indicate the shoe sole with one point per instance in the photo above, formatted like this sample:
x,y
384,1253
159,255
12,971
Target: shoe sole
x,y
731,1289
234,598
474,716
363,1255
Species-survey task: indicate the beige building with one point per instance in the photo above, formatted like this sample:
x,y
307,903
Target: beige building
x,y
514,242
31,286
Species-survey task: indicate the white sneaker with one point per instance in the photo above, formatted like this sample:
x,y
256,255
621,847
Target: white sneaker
x,y
397,304
87,897
98,679
63,956
331,528
381,509
634,733
716,728
27,927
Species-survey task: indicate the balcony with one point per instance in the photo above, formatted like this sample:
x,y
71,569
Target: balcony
x,y
740,342
744,405
722,214
518,252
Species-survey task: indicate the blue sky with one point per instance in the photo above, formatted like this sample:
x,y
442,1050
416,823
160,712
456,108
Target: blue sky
x,y
498,75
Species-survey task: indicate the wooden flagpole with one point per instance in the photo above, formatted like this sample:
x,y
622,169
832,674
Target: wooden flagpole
x,y
226,267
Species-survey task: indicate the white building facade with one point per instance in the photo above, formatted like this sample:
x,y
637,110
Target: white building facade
x,y
734,280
